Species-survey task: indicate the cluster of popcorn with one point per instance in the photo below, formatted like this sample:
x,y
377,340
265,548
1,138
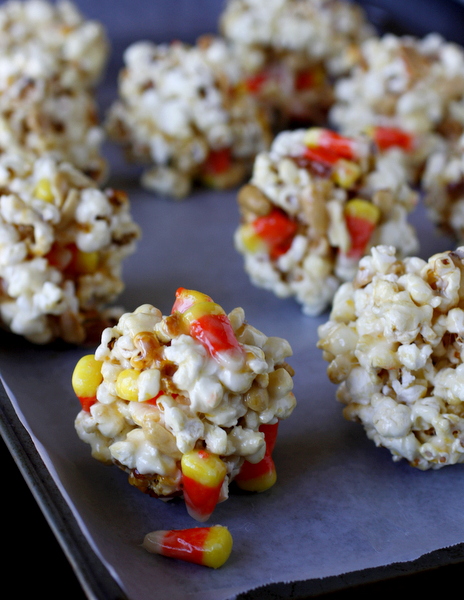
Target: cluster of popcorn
x,y
291,51
316,202
60,35
62,241
182,111
413,84
62,238
50,60
394,342
186,403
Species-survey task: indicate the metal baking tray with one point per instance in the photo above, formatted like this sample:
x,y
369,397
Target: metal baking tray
x,y
161,21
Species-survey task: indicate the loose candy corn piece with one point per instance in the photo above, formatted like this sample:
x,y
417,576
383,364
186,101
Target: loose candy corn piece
x,y
207,546
202,476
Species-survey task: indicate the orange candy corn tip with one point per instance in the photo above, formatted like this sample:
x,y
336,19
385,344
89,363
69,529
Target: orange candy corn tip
x,y
206,546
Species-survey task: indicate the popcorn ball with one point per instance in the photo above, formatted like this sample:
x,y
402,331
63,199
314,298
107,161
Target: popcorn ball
x,y
74,48
293,50
182,111
394,344
185,402
62,242
315,204
50,60
443,189
413,86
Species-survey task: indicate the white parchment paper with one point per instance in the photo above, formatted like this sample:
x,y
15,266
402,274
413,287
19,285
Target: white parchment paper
x,y
339,505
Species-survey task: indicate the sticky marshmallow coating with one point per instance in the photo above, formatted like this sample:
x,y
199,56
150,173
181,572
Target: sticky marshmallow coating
x,y
315,199
50,60
201,402
183,113
443,187
62,243
292,50
394,344
416,84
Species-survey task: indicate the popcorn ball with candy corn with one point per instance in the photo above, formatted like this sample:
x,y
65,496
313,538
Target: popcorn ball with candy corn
x,y
62,245
317,201
411,86
182,112
291,51
186,403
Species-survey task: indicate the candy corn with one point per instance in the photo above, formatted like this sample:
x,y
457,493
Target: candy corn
x,y
308,79
361,218
255,83
259,477
277,230
334,144
187,298
392,137
207,546
218,161
202,476
207,322
85,380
